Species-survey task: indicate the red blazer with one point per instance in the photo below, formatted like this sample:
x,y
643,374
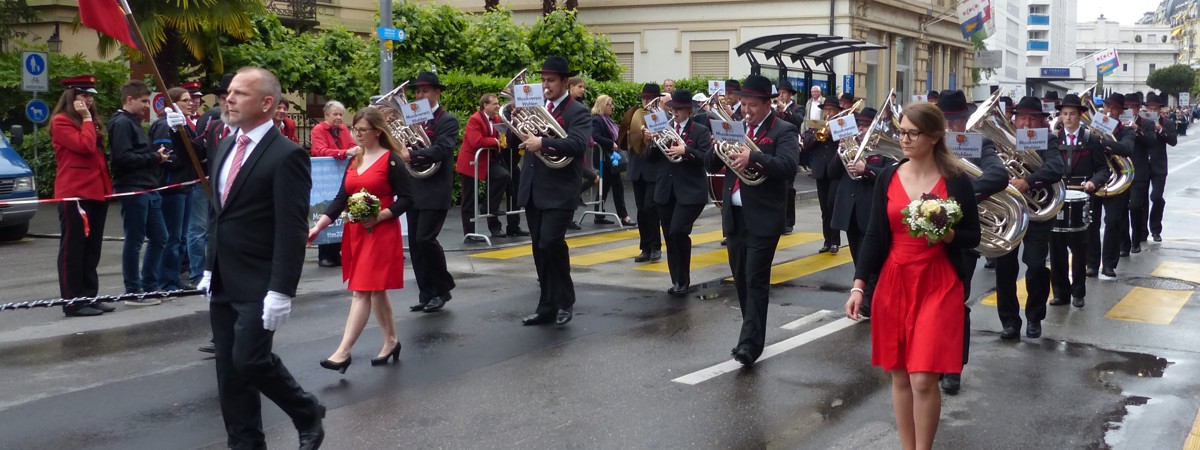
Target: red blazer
x,y
289,129
82,168
478,135
323,143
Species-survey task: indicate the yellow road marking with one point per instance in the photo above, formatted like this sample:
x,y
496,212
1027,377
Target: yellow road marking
x,y
1179,271
1155,306
1193,438
1022,295
582,241
630,251
711,258
807,265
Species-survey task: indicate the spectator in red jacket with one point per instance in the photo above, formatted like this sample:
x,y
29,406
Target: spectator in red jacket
x,y
481,133
83,173
332,138
286,125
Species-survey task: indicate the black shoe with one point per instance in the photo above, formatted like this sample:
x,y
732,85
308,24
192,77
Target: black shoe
x,y
823,249
1091,272
477,238
497,232
1108,274
656,256
628,223
642,257
679,290
563,317
1034,330
864,311
1010,333
951,382
537,319
742,355
1137,248
1124,253
105,307
573,226
1077,302
437,303
326,262
383,360
417,307
787,230
1157,238
338,366
209,347
312,434
1059,301
517,232
723,243
601,220
833,249
989,263
86,311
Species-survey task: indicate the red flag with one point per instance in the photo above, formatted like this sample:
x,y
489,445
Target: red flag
x,y
106,17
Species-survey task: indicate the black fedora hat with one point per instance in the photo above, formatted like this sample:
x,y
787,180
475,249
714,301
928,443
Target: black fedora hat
x,y
1008,102
426,78
932,96
1051,96
1153,99
732,86
1072,101
1029,105
681,98
831,102
1115,99
223,88
651,90
756,86
847,97
785,85
953,105
1133,100
557,65
866,115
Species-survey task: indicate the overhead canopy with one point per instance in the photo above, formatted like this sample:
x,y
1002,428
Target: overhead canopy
x,y
807,50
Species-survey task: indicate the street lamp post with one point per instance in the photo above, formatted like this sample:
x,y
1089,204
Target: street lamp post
x,y
55,42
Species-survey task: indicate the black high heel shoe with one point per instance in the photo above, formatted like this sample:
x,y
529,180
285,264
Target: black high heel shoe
x,y
340,367
395,354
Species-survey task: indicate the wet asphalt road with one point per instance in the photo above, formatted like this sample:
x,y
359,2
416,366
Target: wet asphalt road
x,y
472,378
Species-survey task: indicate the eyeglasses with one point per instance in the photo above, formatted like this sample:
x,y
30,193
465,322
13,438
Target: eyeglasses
x,y
362,130
912,135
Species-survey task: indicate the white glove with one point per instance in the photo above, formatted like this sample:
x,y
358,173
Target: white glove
x,y
276,309
175,117
205,284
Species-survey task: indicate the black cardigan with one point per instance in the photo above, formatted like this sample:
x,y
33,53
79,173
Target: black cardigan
x,y
877,244
397,178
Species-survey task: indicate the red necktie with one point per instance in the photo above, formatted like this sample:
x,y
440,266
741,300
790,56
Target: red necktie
x,y
1072,139
238,156
225,132
550,107
678,130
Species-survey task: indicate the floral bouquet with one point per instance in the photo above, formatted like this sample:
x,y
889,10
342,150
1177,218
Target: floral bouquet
x,y
931,216
361,206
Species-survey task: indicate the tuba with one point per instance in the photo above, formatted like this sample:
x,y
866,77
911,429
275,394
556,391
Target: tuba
x,y
531,121
1003,217
1044,203
750,176
1120,168
881,138
666,138
412,136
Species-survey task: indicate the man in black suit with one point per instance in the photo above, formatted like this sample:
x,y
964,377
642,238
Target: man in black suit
x,y
643,174
550,195
823,160
734,97
1139,192
752,248
682,188
1167,133
1085,168
257,232
431,198
1112,211
794,114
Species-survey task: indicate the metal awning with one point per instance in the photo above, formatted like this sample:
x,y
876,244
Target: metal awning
x,y
812,52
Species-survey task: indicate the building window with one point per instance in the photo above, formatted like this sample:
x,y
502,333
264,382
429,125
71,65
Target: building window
x,y
1152,37
1152,67
624,51
1124,67
709,59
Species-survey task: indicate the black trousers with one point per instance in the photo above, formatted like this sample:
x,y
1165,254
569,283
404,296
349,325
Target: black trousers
x,y
791,205
551,258
647,216
970,261
854,237
1113,212
246,368
332,252
428,258
613,183
1139,214
826,190
79,255
1036,245
512,164
497,184
1077,244
750,260
677,221
1157,184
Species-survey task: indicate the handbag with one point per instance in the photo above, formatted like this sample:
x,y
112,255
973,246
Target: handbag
x,y
622,161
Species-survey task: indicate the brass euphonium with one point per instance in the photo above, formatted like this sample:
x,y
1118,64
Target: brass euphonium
x,y
531,121
412,136
666,138
1003,217
750,176
1044,203
881,138
1120,168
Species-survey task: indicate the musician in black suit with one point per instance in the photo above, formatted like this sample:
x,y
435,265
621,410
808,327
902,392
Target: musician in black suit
x,y
682,188
852,202
550,195
1029,115
1139,192
733,95
257,231
753,218
643,174
824,162
1168,134
1085,169
794,114
1114,209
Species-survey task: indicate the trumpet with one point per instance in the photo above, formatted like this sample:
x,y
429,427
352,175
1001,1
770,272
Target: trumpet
x,y
666,138
531,121
413,136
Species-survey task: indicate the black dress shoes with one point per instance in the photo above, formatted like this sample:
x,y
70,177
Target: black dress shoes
x,y
742,355
1137,248
563,317
1034,330
312,434
1157,238
437,303
951,383
573,226
383,360
422,300
628,223
656,256
86,311
601,220
833,249
678,290
338,366
326,262
1091,272
642,257
1059,301
105,307
1108,274
1078,302
517,232
1124,253
209,347
497,232
537,319
1010,333
989,263
823,249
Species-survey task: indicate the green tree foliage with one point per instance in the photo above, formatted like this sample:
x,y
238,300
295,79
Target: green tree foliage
x,y
111,75
12,14
499,46
561,33
1172,79
435,38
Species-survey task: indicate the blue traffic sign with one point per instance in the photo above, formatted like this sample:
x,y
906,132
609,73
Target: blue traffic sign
x,y
37,111
35,64
391,34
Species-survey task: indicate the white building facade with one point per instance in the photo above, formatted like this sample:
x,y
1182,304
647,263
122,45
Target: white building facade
x,y
1141,48
1009,18
1050,47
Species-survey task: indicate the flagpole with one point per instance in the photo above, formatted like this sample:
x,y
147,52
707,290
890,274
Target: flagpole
x,y
162,87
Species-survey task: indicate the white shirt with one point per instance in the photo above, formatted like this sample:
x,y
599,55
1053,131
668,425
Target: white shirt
x,y
1076,133
256,135
814,109
753,131
558,101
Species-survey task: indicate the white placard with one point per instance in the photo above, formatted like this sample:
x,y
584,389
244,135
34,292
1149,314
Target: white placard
x,y
529,95
716,86
656,122
919,98
1127,115
1048,107
1185,99
728,131
417,112
966,145
1151,116
842,127
1033,139
1104,124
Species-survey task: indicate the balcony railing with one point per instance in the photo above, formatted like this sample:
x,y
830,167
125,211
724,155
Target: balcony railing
x,y
1038,46
1039,19
300,13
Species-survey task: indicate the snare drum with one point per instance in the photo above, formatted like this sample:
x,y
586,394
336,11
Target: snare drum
x,y
1076,213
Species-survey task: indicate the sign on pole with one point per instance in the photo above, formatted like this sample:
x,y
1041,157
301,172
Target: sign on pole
x,y
37,111
989,59
391,34
1107,62
848,84
1185,99
34,74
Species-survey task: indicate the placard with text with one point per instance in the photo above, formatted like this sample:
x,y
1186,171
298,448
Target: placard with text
x,y
1033,139
966,145
728,131
656,122
529,95
417,112
842,127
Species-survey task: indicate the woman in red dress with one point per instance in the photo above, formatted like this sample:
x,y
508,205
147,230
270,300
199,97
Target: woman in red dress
x,y
917,312
373,249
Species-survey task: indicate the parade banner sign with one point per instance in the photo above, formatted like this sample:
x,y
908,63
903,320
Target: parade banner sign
x,y
974,15
966,145
529,95
656,122
1107,62
327,174
728,131
1033,139
842,128
417,112
1049,107
1104,124
1147,115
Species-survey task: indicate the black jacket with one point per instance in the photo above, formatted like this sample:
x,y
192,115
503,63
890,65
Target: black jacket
x,y
398,178
1145,141
178,167
763,205
1052,166
994,177
1085,161
134,163
547,188
823,157
853,198
604,140
877,244
1158,153
685,181
433,192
